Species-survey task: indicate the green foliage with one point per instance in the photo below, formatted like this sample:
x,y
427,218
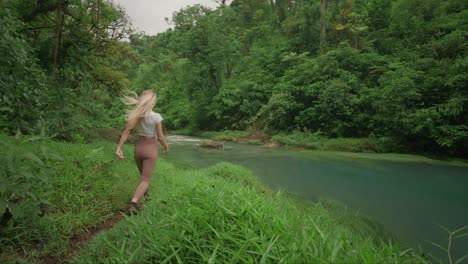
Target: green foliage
x,y
232,173
225,135
279,110
55,191
318,141
59,73
391,69
23,170
221,214
22,82
332,110
397,98
85,185
297,138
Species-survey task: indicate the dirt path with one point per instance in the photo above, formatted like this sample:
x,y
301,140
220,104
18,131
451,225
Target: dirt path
x,y
79,240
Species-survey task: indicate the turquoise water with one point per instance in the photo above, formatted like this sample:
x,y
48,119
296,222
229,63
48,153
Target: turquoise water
x,y
409,199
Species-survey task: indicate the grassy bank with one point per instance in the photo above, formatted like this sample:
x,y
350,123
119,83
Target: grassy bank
x,y
223,215
220,214
55,191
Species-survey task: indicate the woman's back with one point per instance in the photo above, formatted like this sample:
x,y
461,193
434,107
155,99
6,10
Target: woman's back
x,y
147,125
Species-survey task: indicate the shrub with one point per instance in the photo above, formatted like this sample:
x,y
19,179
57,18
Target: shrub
x,y
23,170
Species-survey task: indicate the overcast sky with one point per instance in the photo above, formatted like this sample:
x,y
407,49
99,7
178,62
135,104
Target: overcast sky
x,y
148,15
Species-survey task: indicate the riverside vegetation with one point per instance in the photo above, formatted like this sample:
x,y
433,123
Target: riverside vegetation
x,y
297,139
389,75
218,214
382,74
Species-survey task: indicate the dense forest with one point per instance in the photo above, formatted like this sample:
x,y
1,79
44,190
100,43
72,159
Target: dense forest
x,y
63,65
385,75
394,70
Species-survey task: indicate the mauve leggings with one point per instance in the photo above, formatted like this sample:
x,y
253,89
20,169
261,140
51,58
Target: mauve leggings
x,y
146,154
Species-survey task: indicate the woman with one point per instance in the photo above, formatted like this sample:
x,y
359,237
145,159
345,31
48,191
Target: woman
x,y
149,128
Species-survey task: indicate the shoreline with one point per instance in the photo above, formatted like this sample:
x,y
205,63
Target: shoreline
x,y
239,137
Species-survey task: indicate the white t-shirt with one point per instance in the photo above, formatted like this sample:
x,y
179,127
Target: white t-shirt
x,y
147,125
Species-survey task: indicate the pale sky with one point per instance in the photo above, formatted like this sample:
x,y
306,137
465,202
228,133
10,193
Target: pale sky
x,y
148,15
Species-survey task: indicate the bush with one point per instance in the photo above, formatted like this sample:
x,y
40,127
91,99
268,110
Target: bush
x,y
22,82
352,145
317,141
55,191
24,169
300,139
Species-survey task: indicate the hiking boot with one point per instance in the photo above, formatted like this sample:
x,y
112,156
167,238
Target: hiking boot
x,y
133,209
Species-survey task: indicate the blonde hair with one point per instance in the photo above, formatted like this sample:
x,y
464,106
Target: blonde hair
x,y
143,104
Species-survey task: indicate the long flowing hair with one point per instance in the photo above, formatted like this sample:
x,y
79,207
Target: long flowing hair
x,y
143,104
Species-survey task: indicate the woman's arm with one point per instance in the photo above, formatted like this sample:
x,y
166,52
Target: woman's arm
x,y
161,137
123,138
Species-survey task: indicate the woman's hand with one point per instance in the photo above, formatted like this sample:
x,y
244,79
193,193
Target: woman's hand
x,y
123,138
162,138
119,153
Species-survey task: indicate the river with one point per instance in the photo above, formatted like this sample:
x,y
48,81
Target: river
x,y
410,199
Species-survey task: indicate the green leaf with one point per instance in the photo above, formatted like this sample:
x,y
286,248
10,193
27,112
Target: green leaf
x,y
3,206
460,229
42,177
212,259
270,246
460,236
338,245
32,139
437,245
50,154
339,26
459,261
364,28
33,157
5,109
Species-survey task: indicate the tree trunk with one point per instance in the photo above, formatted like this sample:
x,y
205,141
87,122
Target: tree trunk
x,y
58,34
323,26
228,70
98,14
272,3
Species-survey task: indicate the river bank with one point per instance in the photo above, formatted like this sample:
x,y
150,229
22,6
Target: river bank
x,y
215,214
409,198
222,214
352,148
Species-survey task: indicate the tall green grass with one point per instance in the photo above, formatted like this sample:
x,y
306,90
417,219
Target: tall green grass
x,y
223,215
82,187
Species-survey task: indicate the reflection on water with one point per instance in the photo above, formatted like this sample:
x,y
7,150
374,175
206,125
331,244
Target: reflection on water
x,y
410,199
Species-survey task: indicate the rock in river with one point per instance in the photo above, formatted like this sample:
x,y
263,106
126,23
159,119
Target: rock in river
x,y
212,144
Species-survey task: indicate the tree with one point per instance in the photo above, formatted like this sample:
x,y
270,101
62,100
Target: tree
x,y
323,27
